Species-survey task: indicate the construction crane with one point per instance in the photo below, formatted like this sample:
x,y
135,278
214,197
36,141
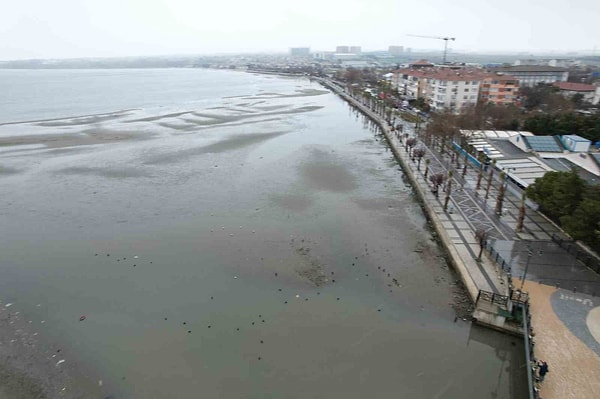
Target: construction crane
x,y
445,39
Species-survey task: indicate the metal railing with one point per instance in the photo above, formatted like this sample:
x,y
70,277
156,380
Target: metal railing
x,y
492,297
495,255
529,354
520,300
579,253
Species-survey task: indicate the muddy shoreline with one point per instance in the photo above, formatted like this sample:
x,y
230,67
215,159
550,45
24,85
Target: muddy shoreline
x,y
278,255
31,368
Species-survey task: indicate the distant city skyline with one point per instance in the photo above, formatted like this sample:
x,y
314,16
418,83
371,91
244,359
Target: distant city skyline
x,y
117,28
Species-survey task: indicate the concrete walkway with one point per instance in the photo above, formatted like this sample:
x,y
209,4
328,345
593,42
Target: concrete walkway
x,y
562,325
459,224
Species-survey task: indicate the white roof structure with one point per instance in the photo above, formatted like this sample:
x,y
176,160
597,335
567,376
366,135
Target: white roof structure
x,y
524,170
493,134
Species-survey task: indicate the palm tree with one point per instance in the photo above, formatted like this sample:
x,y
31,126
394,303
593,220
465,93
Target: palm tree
x,y
500,198
448,190
480,174
410,143
481,235
419,152
437,180
521,217
457,157
489,182
464,172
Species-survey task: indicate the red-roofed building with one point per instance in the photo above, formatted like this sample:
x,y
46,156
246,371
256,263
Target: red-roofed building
x,y
590,93
454,89
499,89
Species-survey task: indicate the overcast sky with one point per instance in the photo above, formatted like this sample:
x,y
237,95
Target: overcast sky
x,y
100,28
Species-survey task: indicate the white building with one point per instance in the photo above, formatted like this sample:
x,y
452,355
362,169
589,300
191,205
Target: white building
x,y
442,88
575,143
531,75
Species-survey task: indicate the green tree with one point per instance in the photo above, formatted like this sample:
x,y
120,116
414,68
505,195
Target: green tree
x,y
558,193
583,224
539,96
441,127
587,126
577,99
421,104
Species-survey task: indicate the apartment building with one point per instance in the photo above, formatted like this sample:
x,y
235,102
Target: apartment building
x,y
499,89
442,88
531,75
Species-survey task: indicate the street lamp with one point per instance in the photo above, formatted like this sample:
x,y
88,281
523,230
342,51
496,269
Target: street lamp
x,y
529,255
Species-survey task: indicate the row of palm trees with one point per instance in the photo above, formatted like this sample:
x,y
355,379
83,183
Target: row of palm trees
x,y
501,187
438,179
432,139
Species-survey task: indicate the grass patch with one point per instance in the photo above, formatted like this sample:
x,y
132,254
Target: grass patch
x,y
410,117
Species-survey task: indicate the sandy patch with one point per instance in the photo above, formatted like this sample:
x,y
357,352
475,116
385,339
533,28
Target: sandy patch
x,y
114,173
86,137
230,144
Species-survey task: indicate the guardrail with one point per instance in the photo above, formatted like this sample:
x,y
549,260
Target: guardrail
x,y
518,302
580,254
494,298
529,354
495,255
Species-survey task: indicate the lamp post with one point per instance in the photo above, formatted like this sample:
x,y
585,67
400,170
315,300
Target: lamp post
x,y
529,255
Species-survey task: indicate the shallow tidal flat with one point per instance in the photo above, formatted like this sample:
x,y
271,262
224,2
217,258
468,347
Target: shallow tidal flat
x,y
255,240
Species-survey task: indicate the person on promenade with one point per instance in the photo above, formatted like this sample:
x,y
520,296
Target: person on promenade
x,y
542,369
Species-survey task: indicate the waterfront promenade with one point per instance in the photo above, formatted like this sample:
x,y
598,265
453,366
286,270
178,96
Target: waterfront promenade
x,y
454,229
566,324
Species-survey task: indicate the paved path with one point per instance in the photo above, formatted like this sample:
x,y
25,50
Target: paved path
x,y
563,325
460,224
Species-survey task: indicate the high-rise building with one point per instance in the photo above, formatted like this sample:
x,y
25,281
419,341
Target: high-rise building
x,y
299,51
342,49
396,50
355,49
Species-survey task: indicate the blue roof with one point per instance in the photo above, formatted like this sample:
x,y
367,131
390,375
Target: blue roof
x,y
543,143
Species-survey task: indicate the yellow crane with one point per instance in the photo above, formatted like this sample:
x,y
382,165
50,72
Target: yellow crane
x,y
445,39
